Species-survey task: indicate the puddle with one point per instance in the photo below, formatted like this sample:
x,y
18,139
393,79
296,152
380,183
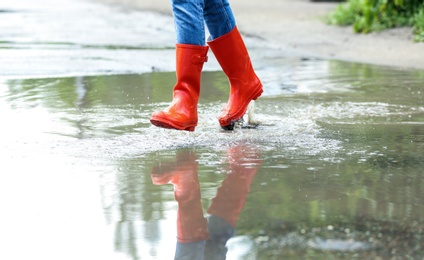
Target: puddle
x,y
334,169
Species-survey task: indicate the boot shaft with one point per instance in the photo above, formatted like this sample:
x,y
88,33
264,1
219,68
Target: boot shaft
x,y
189,65
232,54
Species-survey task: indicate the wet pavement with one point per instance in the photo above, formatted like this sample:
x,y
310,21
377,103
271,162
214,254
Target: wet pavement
x,y
334,169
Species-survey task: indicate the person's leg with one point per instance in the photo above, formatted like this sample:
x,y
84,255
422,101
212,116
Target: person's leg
x,y
218,17
191,53
189,22
228,47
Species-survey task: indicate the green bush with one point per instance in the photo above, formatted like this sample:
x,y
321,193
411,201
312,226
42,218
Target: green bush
x,y
419,25
376,15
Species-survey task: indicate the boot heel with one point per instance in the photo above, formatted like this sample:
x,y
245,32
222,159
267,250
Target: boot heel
x,y
190,128
258,93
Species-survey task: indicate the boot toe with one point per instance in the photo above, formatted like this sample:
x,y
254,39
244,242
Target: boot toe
x,y
161,119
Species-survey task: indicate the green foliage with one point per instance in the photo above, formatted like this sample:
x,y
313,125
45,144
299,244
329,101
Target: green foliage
x,y
419,25
345,13
375,15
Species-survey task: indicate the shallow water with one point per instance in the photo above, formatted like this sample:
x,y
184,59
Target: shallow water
x,y
332,171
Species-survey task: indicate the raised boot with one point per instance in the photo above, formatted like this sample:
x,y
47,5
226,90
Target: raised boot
x,y
245,86
181,114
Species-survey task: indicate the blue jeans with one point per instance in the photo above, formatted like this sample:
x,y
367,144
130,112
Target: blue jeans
x,y
190,17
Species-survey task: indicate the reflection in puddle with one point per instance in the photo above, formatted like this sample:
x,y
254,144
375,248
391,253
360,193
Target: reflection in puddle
x,y
199,237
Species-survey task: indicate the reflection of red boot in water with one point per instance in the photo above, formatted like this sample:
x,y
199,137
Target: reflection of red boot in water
x,y
191,224
198,238
230,199
231,196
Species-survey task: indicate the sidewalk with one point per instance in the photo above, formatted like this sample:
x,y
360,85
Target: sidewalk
x,y
295,27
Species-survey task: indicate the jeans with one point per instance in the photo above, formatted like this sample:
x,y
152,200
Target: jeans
x,y
190,17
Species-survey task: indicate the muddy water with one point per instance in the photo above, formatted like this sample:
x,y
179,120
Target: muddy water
x,y
333,170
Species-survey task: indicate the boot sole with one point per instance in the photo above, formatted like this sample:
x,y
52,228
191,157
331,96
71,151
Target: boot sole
x,y
169,125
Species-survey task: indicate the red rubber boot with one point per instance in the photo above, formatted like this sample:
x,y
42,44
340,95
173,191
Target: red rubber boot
x,y
181,114
245,86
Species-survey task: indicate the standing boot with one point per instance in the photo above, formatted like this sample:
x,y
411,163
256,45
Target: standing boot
x,y
245,86
181,114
